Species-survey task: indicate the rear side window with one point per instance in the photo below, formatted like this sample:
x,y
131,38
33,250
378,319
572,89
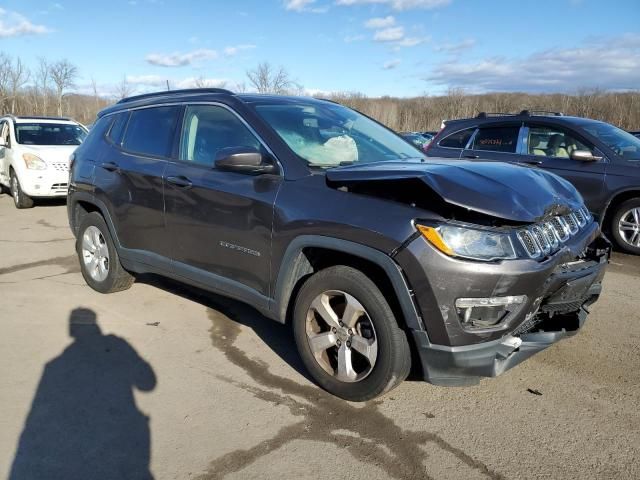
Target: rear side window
x,y
497,139
150,131
457,139
117,127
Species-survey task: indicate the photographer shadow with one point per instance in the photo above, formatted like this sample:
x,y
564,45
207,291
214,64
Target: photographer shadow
x,y
84,421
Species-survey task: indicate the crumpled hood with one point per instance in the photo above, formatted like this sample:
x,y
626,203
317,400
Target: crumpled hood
x,y
503,190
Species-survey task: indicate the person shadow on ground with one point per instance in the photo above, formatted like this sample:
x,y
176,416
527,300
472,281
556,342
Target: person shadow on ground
x,y
84,422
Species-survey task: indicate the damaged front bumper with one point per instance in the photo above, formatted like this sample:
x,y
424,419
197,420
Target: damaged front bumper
x,y
558,293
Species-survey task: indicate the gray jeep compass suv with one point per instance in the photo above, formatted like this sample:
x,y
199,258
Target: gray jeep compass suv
x,y
317,215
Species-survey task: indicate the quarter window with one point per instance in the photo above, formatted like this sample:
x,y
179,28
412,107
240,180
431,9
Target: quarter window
x,y
497,139
150,131
118,126
552,142
207,129
457,139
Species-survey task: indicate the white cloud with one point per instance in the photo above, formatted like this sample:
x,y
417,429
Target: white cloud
x,y
380,22
412,41
391,64
455,48
399,4
609,63
146,80
13,24
195,82
391,34
303,6
234,50
178,59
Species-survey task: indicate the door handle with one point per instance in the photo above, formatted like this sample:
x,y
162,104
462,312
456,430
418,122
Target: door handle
x,y
472,156
182,182
110,167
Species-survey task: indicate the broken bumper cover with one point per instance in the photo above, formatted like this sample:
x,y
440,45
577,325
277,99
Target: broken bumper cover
x,y
465,365
557,291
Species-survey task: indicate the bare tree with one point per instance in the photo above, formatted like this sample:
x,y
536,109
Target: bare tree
x,y
267,79
202,82
124,88
5,75
42,82
18,78
63,75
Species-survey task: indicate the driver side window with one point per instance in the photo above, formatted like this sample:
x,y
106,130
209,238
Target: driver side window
x,y
207,129
553,142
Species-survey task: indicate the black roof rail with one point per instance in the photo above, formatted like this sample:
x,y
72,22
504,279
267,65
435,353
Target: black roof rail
x,y
35,117
184,91
494,114
529,113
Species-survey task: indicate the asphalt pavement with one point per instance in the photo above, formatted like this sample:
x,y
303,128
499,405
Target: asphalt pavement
x,y
167,382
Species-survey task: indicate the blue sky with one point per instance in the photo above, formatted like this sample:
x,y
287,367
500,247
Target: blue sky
x,y
377,47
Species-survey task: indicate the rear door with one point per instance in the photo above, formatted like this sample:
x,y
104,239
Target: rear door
x,y
219,221
498,142
129,178
549,146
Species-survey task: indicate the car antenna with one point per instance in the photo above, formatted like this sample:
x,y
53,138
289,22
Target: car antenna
x,y
168,88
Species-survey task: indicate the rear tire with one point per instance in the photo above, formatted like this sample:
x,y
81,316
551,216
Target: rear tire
x,y
20,199
337,362
625,226
99,260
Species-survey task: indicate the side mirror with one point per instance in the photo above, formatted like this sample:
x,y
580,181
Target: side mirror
x,y
584,156
243,160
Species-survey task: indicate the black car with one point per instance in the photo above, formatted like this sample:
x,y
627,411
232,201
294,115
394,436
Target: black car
x,y
317,215
602,161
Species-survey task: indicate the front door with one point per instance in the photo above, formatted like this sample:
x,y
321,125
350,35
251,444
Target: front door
x,y
219,222
550,147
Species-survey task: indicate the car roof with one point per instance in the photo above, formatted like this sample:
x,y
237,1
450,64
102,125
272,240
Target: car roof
x,y
204,94
39,119
525,115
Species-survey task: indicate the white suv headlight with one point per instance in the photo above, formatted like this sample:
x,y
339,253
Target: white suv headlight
x,y
470,243
34,162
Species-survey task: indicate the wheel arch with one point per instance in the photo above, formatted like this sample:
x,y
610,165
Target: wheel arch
x,y
308,254
81,204
616,199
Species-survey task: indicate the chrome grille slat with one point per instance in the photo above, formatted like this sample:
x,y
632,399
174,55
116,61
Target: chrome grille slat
x,y
543,239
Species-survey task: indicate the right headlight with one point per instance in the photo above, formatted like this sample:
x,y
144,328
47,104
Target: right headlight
x,y
34,162
472,243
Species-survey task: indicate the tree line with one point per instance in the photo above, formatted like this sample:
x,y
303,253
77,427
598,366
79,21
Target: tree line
x,y
50,88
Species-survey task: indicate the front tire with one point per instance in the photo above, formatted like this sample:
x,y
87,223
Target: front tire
x,y
347,335
20,199
99,260
625,226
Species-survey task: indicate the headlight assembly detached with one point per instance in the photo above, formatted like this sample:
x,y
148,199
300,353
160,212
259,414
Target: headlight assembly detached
x,y
470,243
34,162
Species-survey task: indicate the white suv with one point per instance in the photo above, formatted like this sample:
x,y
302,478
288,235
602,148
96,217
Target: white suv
x,y
34,156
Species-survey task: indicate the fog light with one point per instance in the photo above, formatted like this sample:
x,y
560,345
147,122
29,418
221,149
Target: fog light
x,y
488,313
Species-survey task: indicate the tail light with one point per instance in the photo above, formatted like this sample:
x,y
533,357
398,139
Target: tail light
x,y
433,140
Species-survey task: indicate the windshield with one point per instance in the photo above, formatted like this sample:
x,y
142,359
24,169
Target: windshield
x,y
49,134
329,135
623,143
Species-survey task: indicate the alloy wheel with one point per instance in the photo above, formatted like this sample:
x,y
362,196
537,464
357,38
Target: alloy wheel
x,y
629,227
95,253
341,336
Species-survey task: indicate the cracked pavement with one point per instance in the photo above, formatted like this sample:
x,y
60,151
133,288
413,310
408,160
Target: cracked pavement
x,y
168,382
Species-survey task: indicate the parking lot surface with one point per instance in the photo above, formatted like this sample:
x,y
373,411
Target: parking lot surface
x,y
164,381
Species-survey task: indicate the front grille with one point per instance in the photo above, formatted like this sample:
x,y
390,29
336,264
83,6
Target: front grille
x,y
60,186
545,238
60,166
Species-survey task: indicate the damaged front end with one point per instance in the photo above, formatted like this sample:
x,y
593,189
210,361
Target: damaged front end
x,y
505,261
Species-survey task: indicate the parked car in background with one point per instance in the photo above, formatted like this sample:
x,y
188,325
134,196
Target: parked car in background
x,y
317,215
34,156
601,160
416,139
